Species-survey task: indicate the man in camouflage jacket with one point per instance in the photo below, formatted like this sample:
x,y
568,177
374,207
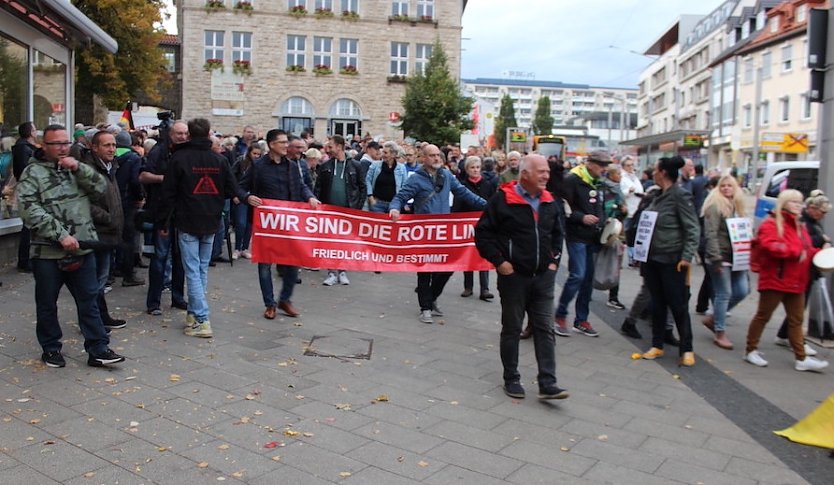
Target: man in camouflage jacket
x,y
54,194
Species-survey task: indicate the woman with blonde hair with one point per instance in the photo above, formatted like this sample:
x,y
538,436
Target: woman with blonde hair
x,y
729,287
783,254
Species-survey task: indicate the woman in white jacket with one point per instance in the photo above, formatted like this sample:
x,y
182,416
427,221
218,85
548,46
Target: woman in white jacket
x,y
632,190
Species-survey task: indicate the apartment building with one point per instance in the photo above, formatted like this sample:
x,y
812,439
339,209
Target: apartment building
x,y
570,104
324,66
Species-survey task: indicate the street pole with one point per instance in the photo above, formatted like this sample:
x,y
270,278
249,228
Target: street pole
x,y
757,109
610,120
825,139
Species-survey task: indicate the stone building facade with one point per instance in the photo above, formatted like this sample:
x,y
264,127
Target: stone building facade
x,y
326,66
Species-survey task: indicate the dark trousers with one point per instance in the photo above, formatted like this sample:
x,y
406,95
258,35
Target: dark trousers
x,y
429,287
532,295
128,248
83,286
469,280
289,277
705,294
667,287
23,249
163,246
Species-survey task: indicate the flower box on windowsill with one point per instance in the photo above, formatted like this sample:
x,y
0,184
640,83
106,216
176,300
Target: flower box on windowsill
x,y
242,68
213,65
296,68
350,16
322,70
323,12
298,11
215,5
397,79
244,6
349,71
428,19
399,18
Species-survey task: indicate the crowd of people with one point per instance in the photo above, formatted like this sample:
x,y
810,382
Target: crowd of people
x,y
182,191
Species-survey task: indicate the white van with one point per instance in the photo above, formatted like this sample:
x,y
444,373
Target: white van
x,y
802,176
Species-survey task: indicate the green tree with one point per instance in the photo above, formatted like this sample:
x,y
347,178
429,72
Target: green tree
x,y
506,119
434,110
138,67
542,121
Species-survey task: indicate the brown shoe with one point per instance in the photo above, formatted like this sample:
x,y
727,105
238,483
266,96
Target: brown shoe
x,y
269,313
722,341
709,322
287,308
527,332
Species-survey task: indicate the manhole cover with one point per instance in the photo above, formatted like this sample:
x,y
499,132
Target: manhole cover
x,y
340,347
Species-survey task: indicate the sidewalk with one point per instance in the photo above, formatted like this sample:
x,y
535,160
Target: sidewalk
x,y
248,406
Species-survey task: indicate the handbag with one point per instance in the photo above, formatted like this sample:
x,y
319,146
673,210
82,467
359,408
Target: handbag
x,y
607,267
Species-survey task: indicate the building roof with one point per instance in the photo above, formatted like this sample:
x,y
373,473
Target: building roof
x,y
537,84
169,39
60,19
788,25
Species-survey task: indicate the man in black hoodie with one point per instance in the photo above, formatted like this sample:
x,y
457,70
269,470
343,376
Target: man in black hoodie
x,y
22,151
193,193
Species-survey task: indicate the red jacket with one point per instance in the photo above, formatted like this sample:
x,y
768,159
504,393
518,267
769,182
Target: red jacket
x,y
781,268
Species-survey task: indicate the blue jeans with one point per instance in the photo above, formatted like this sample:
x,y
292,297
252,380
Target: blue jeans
x,y
242,217
580,281
380,206
729,288
287,283
83,285
195,251
156,274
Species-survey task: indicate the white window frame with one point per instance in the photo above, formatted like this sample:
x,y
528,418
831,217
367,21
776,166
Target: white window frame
x,y
801,13
399,7
774,24
345,108
747,115
398,66
764,113
784,109
240,52
350,6
346,57
324,5
425,8
787,54
422,54
749,72
296,53
296,3
170,60
323,51
805,109
217,49
767,64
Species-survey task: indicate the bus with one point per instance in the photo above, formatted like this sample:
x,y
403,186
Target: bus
x,y
549,145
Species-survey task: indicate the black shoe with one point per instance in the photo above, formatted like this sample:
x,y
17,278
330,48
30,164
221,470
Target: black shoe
x,y
486,295
105,358
467,292
132,280
113,323
24,269
117,273
220,259
53,359
212,263
616,304
670,339
552,392
514,389
154,311
181,305
629,329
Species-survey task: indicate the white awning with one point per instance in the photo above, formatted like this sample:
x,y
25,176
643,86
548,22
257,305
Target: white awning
x,y
82,24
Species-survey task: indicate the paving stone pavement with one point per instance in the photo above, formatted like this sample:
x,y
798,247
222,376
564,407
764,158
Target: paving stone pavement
x,y
248,406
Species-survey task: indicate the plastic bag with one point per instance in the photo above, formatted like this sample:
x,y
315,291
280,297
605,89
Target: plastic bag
x,y
820,312
607,267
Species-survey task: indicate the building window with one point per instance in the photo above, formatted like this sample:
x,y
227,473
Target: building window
x,y
764,113
214,44
425,9
324,5
748,70
767,59
747,115
774,25
422,58
399,8
242,46
296,3
323,52
787,53
801,12
399,59
348,53
296,45
345,108
350,6
170,61
806,107
784,108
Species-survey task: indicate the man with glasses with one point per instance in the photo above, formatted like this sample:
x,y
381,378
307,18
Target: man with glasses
x,y
275,176
54,194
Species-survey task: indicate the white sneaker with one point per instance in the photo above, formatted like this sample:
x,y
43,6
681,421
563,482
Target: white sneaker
x,y
246,254
435,310
783,342
331,280
755,358
236,254
810,364
425,316
343,279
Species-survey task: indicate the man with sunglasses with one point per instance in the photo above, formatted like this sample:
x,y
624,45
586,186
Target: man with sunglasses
x,y
54,194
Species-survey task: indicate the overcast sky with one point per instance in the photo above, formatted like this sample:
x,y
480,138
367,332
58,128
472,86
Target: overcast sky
x,y
568,40
563,40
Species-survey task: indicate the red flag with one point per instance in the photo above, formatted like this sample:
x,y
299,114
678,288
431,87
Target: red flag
x,y
127,117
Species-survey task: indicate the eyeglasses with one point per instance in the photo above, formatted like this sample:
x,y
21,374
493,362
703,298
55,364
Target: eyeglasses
x,y
58,143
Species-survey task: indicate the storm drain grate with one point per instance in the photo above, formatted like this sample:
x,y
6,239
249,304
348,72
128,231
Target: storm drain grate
x,y
340,347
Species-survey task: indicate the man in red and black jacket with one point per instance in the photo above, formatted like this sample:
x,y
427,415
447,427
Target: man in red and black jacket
x,y
521,233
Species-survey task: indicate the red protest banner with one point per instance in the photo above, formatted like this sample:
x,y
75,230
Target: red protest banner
x,y
292,233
